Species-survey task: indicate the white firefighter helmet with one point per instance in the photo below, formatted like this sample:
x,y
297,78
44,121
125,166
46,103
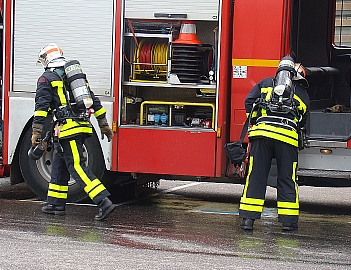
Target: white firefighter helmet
x,y
51,56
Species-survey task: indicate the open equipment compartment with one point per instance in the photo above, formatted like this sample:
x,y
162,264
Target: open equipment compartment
x,y
169,60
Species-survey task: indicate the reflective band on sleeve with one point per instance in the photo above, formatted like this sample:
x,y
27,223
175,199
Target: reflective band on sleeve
x,y
302,107
100,112
41,113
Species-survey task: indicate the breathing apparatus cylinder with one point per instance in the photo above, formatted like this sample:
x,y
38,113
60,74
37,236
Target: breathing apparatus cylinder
x,y
284,75
78,83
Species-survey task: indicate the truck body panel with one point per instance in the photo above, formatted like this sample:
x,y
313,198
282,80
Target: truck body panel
x,y
173,76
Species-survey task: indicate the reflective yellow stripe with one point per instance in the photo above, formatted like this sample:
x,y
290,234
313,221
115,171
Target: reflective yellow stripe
x,y
302,106
60,91
93,184
277,133
255,62
252,208
294,179
72,127
71,124
252,201
40,113
268,91
73,131
248,176
292,205
58,195
250,204
76,163
58,187
96,191
100,112
82,174
269,127
288,212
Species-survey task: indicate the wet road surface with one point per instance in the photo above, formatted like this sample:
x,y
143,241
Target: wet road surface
x,y
181,225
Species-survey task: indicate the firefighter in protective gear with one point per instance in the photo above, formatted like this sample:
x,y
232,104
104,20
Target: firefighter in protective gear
x,y
72,127
278,107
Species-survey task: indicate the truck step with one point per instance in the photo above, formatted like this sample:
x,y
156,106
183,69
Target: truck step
x,y
324,173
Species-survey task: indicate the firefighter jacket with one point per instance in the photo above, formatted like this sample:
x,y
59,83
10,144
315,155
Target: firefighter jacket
x,y
51,95
281,126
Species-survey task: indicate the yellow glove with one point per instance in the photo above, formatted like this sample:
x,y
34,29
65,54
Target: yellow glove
x,y
106,130
36,136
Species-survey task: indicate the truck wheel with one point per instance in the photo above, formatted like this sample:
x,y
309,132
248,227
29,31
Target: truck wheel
x,y
36,173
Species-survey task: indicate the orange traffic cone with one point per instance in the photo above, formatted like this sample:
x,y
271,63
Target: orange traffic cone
x,y
187,33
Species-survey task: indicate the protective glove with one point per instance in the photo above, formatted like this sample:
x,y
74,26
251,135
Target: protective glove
x,y
36,136
36,133
105,129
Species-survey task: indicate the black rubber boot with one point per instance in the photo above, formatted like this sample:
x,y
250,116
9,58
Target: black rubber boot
x,y
54,209
247,224
105,208
289,226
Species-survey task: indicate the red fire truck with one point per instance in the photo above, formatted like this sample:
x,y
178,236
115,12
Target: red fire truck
x,y
173,76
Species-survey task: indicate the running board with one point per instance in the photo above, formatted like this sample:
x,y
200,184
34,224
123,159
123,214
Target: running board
x,y
324,173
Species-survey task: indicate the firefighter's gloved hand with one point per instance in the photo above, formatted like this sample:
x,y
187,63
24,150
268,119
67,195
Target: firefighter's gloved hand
x,y
36,136
36,133
105,129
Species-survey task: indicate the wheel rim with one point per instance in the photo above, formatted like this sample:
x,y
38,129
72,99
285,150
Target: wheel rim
x,y
44,165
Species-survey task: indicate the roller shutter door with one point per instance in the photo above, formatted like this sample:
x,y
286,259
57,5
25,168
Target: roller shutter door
x,y
83,29
206,10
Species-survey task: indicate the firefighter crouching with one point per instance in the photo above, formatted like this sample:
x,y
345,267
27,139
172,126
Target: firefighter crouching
x,y
279,108
63,88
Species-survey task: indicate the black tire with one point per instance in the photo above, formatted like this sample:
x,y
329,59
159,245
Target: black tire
x,y
36,173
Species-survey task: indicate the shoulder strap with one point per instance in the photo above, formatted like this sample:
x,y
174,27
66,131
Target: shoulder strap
x,y
244,130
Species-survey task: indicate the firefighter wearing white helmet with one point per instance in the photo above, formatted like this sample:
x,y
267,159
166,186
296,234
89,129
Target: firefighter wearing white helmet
x,y
278,107
61,89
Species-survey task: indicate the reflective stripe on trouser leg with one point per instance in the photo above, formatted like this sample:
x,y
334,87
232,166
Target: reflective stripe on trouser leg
x,y
58,186
75,162
287,188
252,200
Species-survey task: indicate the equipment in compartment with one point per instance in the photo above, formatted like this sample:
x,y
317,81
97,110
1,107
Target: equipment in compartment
x,y
150,60
187,34
192,63
182,114
154,114
186,63
152,26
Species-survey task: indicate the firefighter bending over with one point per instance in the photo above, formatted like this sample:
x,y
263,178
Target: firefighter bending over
x,y
64,90
279,108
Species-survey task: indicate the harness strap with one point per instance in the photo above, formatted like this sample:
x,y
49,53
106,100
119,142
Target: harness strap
x,y
276,120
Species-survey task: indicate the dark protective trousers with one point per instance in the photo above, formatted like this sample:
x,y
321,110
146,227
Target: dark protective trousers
x,y
72,162
261,154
